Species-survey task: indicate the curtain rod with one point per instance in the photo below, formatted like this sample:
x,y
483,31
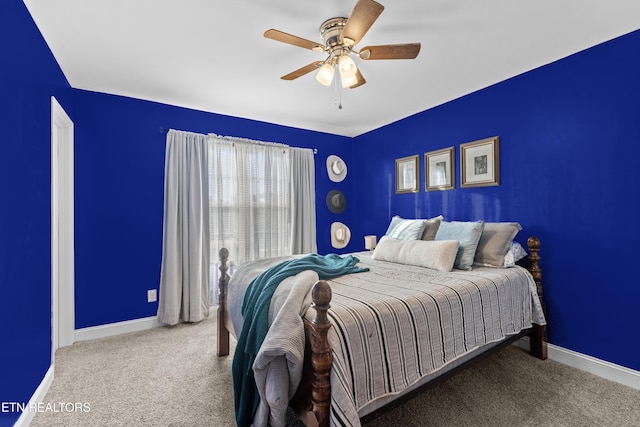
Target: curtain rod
x,y
247,140
165,130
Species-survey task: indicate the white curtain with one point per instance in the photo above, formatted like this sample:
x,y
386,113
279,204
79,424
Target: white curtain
x,y
303,202
249,198
250,201
184,277
257,199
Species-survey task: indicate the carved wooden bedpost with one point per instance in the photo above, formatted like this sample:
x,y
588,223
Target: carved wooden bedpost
x,y
539,336
321,356
223,282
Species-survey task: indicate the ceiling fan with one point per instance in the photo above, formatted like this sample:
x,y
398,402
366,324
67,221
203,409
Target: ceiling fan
x,y
339,36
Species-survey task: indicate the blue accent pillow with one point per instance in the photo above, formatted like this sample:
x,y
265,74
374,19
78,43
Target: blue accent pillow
x,y
467,233
406,229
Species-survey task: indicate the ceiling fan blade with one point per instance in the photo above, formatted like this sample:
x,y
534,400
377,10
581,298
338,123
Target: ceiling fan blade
x,y
360,80
283,37
390,51
362,18
302,71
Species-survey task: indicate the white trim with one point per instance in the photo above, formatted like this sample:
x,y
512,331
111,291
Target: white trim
x,y
117,328
62,229
38,397
601,368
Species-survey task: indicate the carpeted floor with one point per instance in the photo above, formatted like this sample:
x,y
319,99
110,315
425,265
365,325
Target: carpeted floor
x,y
170,376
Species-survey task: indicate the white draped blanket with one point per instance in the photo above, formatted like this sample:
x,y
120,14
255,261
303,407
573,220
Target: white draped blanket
x,y
392,325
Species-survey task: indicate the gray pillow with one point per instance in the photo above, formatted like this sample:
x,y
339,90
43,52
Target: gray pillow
x,y
431,227
405,229
495,242
467,233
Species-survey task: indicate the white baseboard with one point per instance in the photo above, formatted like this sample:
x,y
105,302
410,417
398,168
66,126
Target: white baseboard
x,y
84,334
38,397
117,328
601,368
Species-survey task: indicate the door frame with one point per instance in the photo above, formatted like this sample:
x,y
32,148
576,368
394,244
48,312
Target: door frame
x,y
62,229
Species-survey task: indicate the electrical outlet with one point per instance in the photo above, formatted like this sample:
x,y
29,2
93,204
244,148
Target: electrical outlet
x,y
152,295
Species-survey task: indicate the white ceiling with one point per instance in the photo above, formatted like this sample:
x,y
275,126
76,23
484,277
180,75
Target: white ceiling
x,y
211,55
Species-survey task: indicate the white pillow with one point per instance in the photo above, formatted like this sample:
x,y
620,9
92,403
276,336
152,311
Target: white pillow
x,y
437,255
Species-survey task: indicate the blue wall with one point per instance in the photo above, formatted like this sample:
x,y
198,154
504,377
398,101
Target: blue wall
x,y
570,137
119,171
29,76
569,150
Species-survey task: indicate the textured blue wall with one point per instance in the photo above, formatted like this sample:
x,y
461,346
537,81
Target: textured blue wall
x,y
570,140
119,195
29,76
569,149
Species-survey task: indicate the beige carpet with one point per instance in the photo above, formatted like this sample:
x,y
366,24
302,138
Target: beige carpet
x,y
171,376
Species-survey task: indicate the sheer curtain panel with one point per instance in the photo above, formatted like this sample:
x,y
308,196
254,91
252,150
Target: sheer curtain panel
x,y
249,185
184,277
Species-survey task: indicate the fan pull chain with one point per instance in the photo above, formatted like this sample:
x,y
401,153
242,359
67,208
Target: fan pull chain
x,y
338,94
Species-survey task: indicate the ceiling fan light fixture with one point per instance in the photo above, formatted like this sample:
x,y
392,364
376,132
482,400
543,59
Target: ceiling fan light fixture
x,y
325,74
339,36
348,81
347,66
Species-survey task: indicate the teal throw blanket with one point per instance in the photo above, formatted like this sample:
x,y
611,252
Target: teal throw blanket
x,y
255,311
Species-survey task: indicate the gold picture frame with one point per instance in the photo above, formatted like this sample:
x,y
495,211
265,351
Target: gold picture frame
x,y
407,172
439,167
480,163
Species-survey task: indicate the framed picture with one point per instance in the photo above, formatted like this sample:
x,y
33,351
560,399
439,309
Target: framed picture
x,y
480,163
439,170
407,174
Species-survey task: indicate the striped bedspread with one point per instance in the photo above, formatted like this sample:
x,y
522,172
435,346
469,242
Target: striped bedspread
x,y
396,324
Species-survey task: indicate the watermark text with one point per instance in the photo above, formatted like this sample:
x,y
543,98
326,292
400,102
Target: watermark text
x,y
55,407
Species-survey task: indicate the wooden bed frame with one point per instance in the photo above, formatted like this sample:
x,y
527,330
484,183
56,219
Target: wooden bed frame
x,y
314,392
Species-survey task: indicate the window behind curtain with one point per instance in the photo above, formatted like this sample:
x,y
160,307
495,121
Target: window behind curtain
x,y
249,202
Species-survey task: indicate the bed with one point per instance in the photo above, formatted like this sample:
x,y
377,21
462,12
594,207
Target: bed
x,y
358,344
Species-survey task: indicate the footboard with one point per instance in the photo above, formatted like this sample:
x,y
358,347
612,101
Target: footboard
x,y
223,283
321,357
